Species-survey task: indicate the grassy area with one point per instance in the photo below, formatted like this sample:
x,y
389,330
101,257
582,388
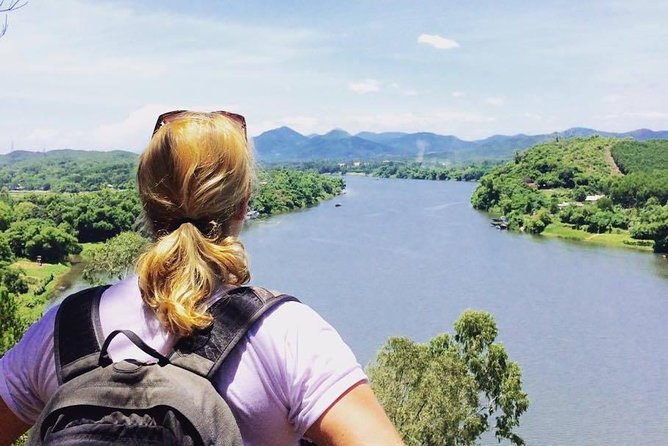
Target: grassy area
x,y
620,239
88,247
42,282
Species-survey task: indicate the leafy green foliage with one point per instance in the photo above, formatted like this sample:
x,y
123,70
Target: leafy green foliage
x,y
653,225
36,237
68,170
452,389
52,224
13,279
282,190
634,189
552,182
91,217
12,325
432,170
635,156
113,259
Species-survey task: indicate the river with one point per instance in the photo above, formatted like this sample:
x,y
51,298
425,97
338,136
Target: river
x,y
588,325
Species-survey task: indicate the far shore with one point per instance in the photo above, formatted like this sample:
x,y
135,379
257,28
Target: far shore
x,y
620,239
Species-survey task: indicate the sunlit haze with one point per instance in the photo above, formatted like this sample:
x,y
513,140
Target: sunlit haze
x,y
94,75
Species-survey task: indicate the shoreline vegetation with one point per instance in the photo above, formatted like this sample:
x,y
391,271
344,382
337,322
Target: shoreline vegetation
x,y
582,197
64,230
64,206
416,170
621,239
606,191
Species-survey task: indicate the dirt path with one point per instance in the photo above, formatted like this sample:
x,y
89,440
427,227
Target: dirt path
x,y
611,162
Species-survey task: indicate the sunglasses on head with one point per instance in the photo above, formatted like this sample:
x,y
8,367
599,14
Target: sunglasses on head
x,y
168,117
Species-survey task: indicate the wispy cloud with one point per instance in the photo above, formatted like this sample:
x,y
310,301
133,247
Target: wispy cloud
x,y
458,94
130,133
437,41
365,86
496,101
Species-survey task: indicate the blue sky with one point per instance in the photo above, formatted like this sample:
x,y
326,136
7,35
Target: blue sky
x,y
94,75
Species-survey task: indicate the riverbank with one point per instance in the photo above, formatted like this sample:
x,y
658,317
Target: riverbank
x,y
617,239
42,282
45,281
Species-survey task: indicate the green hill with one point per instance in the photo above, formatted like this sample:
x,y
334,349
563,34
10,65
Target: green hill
x,y
67,170
635,156
577,188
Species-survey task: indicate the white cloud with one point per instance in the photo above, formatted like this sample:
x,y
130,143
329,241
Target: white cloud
x,y
80,86
130,133
365,86
495,101
437,41
458,94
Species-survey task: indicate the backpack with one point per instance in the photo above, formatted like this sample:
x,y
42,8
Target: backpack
x,y
171,401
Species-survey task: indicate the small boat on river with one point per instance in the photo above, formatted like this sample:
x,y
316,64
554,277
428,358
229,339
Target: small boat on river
x,y
500,223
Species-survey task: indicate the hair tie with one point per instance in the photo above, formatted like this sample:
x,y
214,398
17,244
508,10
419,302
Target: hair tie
x,y
202,225
192,221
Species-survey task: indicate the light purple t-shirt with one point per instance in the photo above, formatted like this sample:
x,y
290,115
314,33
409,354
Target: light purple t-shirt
x,y
290,367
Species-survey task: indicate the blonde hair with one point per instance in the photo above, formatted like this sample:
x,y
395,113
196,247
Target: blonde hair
x,y
194,179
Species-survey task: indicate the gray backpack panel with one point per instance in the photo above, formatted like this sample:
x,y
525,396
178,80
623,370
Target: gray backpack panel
x,y
171,401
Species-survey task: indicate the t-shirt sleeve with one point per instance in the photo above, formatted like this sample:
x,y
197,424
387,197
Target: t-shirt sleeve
x,y
317,366
27,371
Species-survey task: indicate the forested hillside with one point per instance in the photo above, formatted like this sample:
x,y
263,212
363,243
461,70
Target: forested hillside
x,y
286,145
56,225
67,170
429,170
579,185
635,156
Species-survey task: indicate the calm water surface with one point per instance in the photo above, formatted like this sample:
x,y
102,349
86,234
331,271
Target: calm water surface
x,y
588,325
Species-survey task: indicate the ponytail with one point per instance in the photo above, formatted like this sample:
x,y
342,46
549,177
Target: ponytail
x,y
197,173
180,271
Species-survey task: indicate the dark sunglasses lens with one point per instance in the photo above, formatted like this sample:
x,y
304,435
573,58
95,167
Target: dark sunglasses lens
x,y
169,116
165,118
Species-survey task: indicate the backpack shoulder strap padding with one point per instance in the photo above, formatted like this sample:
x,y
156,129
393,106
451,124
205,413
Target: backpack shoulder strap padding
x,y
204,352
77,333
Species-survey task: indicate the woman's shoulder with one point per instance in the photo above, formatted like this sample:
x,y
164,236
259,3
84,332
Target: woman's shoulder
x,y
294,333
298,359
290,317
27,370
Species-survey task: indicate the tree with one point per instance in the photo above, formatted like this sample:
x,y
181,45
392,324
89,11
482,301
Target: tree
x,y
448,391
115,258
34,237
12,5
14,279
12,325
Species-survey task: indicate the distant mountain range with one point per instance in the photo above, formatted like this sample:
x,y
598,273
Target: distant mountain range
x,y
285,145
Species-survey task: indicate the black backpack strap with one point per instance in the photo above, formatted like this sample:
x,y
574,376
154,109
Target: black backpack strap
x,y
77,334
204,352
